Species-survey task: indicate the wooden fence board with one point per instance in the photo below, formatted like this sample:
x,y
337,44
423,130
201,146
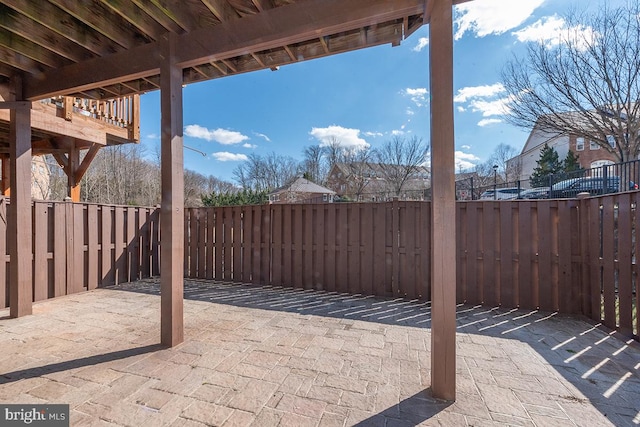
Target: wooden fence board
x,y
342,254
307,242
395,248
565,239
488,257
119,246
472,296
319,267
595,273
353,248
504,285
608,259
425,250
219,243
525,256
366,249
59,250
378,233
624,249
409,229
236,238
256,268
544,256
93,280
40,243
133,256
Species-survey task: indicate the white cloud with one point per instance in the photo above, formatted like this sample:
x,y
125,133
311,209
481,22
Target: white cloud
x,y
422,43
397,132
470,92
247,145
486,17
410,112
418,95
153,136
461,109
496,107
262,135
466,147
465,161
553,30
373,134
223,136
225,156
487,122
345,137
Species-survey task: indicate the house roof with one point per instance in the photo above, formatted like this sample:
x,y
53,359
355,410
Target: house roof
x,y
303,185
105,49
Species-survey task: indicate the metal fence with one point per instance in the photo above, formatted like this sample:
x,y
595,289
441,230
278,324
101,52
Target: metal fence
x,y
607,179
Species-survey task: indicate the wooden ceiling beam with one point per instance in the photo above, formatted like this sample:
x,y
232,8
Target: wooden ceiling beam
x,y
221,9
262,5
101,19
40,35
18,43
290,53
21,62
258,60
325,44
169,14
224,71
136,17
75,30
274,28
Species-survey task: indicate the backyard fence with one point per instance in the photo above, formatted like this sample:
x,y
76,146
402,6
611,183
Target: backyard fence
x,y
79,246
571,256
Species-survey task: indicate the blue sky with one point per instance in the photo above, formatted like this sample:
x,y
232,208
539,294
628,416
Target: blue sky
x,y
365,97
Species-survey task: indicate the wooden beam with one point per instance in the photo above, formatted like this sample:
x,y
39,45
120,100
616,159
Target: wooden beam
x,y
273,28
443,204
73,186
172,207
221,9
159,15
78,174
41,35
262,5
19,226
34,51
75,30
4,184
136,17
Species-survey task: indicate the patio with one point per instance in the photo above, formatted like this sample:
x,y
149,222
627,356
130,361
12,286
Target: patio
x,y
260,355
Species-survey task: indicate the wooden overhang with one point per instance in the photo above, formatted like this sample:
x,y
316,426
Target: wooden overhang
x,y
105,49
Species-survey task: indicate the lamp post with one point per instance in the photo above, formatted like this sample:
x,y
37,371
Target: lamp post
x,y
495,182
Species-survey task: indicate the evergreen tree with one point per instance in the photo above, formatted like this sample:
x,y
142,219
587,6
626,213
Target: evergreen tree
x,y
243,197
548,164
571,163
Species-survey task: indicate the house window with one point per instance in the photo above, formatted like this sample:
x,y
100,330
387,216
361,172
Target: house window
x,y
593,145
611,140
324,197
579,144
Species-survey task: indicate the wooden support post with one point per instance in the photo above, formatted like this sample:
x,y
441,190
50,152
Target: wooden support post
x,y
73,186
5,183
443,224
19,227
172,208
134,119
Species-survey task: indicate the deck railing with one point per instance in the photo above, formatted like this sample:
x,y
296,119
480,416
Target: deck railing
x,y
122,112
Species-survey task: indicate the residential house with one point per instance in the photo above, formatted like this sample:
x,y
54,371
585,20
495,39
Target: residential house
x,y
40,178
590,154
301,190
364,181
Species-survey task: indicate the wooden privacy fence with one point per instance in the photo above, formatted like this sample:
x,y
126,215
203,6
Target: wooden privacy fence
x,y
571,256
79,246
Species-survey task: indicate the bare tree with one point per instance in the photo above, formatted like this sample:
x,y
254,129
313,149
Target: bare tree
x,y
588,85
400,159
314,163
266,172
500,157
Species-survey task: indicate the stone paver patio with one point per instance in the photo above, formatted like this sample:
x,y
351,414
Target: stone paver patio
x,y
267,356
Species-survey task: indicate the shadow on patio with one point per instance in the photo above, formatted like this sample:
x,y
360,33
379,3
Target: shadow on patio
x,y
269,356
